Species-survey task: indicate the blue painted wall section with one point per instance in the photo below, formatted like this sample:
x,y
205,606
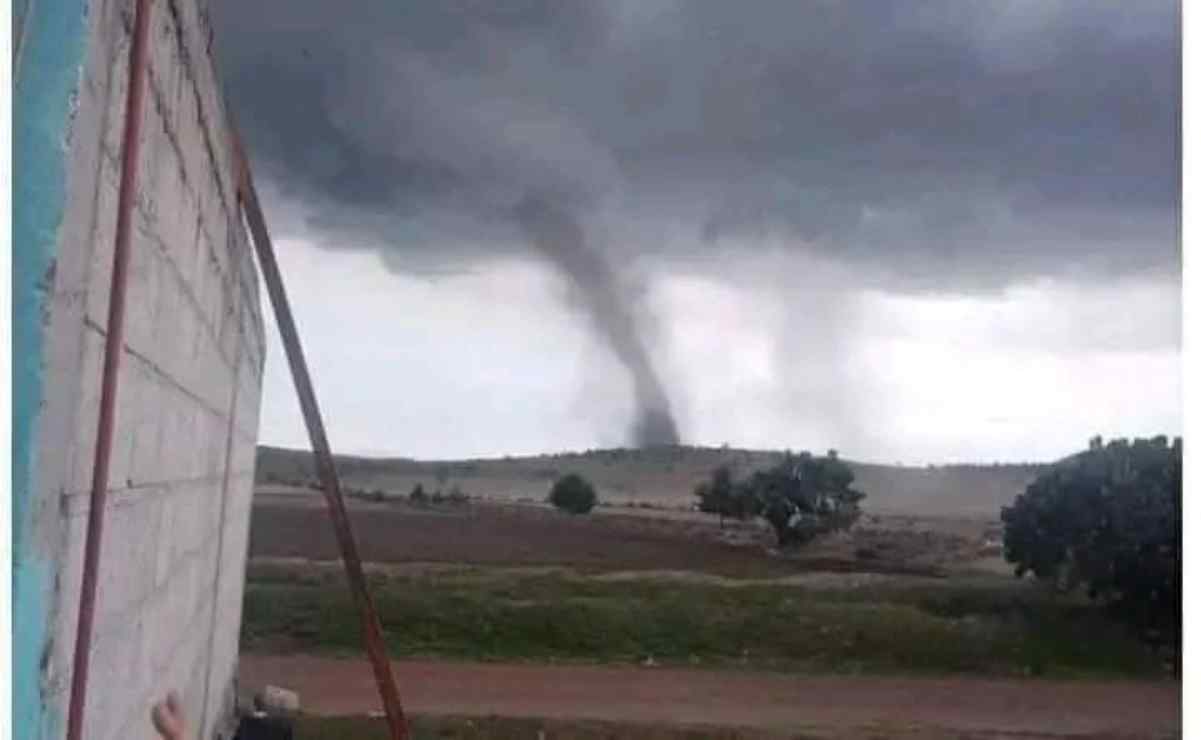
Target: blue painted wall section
x,y
46,82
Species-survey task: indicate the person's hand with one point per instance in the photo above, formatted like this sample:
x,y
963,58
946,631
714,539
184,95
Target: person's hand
x,y
168,718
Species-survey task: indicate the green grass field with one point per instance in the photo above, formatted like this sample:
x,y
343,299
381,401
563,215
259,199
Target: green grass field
x,y
983,626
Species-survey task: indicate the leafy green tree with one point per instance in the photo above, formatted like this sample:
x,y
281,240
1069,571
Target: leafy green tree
x,y
573,494
801,497
804,496
1108,519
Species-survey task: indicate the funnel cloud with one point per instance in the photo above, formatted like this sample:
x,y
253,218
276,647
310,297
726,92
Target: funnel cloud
x,y
559,236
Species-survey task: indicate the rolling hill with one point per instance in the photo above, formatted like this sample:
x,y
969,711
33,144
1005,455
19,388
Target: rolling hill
x,y
665,476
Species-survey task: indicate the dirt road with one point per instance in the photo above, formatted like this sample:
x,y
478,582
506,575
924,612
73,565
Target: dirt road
x,y
976,707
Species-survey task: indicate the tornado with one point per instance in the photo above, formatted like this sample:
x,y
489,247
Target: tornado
x,y
556,233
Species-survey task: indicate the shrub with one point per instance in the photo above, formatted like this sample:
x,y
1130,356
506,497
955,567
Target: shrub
x,y
1108,519
573,494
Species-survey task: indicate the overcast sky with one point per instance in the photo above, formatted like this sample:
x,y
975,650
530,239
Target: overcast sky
x,y
914,231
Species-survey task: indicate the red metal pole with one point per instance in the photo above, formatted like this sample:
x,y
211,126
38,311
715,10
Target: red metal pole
x,y
369,620
113,341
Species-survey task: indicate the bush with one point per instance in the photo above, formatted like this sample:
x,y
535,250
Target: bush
x,y
1108,519
573,494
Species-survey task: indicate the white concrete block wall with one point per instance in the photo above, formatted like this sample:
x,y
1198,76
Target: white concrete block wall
x,y
173,559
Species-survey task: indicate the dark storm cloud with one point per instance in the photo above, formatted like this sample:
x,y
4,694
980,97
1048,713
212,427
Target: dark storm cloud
x,y
808,149
964,144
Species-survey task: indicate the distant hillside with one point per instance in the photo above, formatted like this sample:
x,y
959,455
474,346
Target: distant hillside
x,y
665,475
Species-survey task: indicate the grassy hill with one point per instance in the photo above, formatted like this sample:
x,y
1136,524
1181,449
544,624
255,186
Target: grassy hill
x,y
662,475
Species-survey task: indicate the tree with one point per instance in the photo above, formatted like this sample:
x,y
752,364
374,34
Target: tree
x,y
721,496
1108,519
573,494
801,497
804,496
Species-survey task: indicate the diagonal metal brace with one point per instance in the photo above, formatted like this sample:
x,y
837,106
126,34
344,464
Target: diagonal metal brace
x,y
372,634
